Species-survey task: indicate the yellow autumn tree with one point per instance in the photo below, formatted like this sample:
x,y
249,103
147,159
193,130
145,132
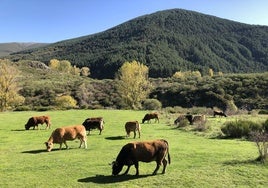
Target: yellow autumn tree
x,y
9,96
54,64
133,84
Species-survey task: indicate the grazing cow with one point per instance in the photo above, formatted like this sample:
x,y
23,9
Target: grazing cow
x,y
189,117
61,135
133,126
219,113
145,151
150,116
94,123
199,119
34,121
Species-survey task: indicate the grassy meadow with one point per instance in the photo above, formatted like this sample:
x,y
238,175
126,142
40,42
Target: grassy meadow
x,y
196,160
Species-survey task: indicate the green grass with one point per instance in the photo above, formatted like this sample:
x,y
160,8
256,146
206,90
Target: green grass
x,y
196,161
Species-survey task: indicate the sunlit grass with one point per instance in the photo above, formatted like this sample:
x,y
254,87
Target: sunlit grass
x,y
196,160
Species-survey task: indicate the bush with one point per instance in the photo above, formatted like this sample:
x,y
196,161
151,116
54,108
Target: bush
x,y
240,128
152,104
263,112
265,126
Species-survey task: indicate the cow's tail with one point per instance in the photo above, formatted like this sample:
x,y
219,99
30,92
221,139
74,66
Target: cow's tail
x,y
169,158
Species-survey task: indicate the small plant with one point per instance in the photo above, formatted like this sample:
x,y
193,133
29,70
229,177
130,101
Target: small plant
x,y
261,140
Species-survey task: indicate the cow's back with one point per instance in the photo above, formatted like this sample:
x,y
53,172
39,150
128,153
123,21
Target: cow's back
x,y
68,133
148,151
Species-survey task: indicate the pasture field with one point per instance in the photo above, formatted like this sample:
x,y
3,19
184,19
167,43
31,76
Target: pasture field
x,y
196,160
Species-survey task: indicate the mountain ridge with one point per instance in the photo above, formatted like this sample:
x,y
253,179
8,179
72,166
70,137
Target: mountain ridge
x,y
166,41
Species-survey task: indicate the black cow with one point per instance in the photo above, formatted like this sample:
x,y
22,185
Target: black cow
x,y
146,151
94,123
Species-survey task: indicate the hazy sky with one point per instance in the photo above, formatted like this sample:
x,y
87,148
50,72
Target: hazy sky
x,y
56,20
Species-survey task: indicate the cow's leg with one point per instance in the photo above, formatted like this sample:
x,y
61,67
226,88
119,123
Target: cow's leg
x,y
65,143
134,134
128,167
137,168
60,145
165,165
139,133
157,167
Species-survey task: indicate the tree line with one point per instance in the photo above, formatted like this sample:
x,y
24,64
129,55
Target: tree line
x,y
44,88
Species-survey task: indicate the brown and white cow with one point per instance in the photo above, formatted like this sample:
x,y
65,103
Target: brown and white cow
x,y
150,116
146,151
34,121
133,126
61,135
94,123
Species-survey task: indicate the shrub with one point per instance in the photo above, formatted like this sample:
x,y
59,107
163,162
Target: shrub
x,y
152,104
265,126
263,112
261,140
65,102
240,128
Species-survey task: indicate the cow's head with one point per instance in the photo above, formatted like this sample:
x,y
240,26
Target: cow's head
x,y
116,168
49,146
26,127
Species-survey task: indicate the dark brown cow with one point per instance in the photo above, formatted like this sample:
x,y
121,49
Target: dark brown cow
x,y
189,117
150,116
219,113
61,135
34,121
146,151
94,123
133,126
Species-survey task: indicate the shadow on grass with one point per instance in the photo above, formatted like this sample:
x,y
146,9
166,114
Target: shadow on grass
x,y
35,151
241,162
18,130
43,151
115,138
101,179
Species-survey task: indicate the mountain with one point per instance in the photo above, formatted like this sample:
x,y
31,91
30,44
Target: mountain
x,y
8,48
166,41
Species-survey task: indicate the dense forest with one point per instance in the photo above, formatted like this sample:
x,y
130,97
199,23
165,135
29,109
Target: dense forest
x,y
167,42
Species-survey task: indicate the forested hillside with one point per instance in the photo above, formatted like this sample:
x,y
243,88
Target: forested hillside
x,y
166,41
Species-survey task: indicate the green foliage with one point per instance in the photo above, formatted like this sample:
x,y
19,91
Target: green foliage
x,y
151,104
167,42
240,128
65,102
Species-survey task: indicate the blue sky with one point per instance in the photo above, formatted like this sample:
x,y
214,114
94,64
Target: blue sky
x,y
56,20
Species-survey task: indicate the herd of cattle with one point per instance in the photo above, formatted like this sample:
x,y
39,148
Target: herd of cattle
x,y
131,153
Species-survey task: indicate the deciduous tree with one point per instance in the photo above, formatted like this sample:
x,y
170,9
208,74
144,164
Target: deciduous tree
x,y
9,96
133,83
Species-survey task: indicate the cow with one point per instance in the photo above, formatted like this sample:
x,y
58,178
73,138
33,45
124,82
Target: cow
x,y
94,123
133,126
219,113
61,135
150,116
146,151
198,119
189,117
34,121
